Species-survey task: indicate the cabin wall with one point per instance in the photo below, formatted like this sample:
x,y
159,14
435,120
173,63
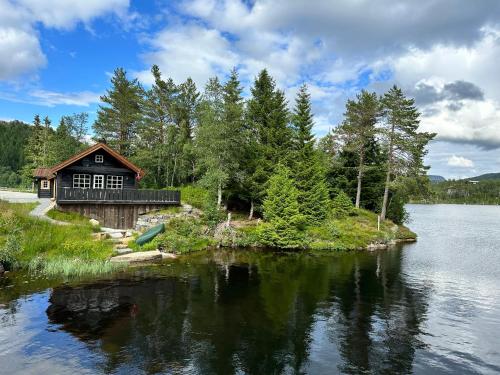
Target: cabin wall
x,y
118,216
45,193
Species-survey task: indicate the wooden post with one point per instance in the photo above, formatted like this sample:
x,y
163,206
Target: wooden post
x,y
378,223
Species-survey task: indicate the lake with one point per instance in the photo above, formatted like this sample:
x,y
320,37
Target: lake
x,y
431,307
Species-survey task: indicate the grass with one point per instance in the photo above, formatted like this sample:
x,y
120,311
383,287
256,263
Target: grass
x,y
73,218
182,235
50,249
355,232
169,210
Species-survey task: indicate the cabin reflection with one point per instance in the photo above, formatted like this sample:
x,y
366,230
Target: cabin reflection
x,y
251,314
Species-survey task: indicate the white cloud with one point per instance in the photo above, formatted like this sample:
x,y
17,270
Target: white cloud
x,y
19,40
63,15
189,50
52,98
460,161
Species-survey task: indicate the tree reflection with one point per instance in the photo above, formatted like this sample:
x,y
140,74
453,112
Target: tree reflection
x,y
249,312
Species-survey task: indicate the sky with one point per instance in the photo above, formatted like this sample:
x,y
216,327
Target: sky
x,y
57,56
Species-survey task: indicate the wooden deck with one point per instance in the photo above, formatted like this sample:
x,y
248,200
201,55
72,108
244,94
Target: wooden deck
x,y
117,196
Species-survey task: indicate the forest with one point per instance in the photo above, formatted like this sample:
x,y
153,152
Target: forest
x,y
483,191
254,154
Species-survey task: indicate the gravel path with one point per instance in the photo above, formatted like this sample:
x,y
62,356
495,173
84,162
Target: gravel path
x,y
40,211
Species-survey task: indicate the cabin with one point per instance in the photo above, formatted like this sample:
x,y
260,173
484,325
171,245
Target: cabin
x,y
101,184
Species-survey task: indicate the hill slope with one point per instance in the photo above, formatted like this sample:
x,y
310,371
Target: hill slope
x,y
486,176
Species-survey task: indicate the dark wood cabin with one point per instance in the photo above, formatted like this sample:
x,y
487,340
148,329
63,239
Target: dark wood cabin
x,y
102,184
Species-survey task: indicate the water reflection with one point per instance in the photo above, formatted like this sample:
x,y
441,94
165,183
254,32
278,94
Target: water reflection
x,y
251,313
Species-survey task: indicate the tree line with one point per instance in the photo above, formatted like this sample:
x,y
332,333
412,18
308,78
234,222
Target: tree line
x,y
245,150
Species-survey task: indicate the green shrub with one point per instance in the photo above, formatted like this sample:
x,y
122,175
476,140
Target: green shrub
x,y
195,196
285,224
182,235
10,252
342,205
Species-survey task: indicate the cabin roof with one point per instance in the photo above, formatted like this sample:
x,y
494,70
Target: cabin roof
x,y
90,150
43,173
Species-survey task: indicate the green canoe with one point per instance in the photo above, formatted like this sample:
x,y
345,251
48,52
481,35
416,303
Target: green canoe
x,y
150,234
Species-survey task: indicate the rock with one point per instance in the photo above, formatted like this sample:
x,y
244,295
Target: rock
x,y
124,250
94,222
168,256
100,236
116,235
128,234
137,257
121,245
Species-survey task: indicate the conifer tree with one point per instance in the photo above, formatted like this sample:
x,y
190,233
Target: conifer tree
x,y
284,222
118,119
307,167
158,132
268,121
405,146
63,142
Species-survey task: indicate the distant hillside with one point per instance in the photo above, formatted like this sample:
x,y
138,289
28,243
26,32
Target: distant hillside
x,y
435,179
486,176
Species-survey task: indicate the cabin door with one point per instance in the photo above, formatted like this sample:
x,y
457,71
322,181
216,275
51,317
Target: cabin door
x,y
98,181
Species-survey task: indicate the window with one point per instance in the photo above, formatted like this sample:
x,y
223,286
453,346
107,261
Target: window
x,y
99,159
45,185
98,181
81,181
114,182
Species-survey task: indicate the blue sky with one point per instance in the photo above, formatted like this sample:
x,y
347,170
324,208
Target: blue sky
x,y
57,57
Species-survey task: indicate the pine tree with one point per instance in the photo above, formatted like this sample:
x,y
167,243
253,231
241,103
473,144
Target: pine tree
x,y
404,144
307,167
118,119
158,131
63,142
358,129
284,227
268,122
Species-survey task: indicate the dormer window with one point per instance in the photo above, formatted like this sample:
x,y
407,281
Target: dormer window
x,y
99,159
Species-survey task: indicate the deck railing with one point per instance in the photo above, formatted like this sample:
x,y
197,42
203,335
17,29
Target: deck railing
x,y
130,196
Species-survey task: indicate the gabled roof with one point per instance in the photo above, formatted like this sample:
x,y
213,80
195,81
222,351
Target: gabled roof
x,y
43,173
90,150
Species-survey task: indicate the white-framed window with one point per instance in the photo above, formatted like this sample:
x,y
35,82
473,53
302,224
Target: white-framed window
x,y
81,181
114,182
99,159
98,181
45,185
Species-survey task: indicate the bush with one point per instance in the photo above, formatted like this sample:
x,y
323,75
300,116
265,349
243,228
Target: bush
x,y
11,251
342,205
194,195
181,236
285,224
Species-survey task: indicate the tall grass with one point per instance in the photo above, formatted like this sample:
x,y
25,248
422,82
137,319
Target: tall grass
x,y
54,249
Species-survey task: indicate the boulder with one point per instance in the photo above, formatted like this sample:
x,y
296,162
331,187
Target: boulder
x,y
138,257
123,251
121,245
116,235
168,256
94,222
